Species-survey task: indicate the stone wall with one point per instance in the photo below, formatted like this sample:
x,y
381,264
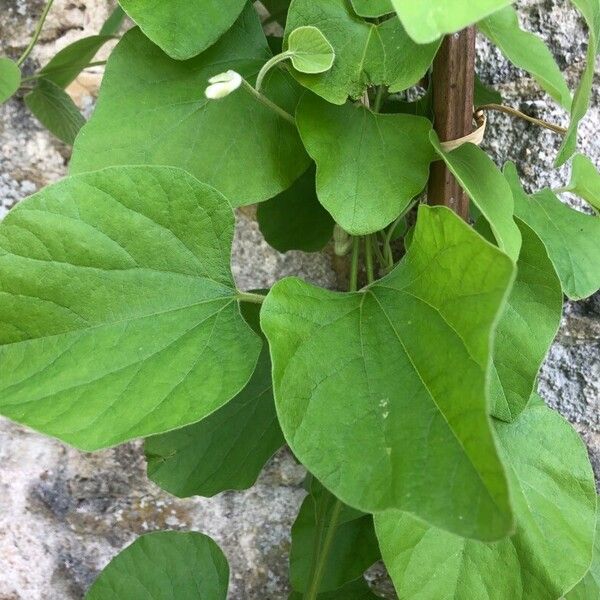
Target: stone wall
x,y
64,514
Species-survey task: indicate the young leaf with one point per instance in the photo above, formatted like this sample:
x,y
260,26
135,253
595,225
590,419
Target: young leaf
x,y
378,54
553,492
485,95
237,145
572,238
589,586
526,51
381,393
591,12
165,564
10,78
585,181
228,449
64,67
352,547
295,219
526,329
113,23
427,20
310,50
116,285
482,180
55,110
184,28
389,154
356,590
372,9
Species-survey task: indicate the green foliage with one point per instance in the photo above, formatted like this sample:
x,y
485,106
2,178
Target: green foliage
x,y
116,284
390,155
526,51
589,586
239,146
349,535
427,20
572,239
378,54
228,449
55,110
337,359
10,79
184,28
411,398
554,498
164,566
295,219
585,181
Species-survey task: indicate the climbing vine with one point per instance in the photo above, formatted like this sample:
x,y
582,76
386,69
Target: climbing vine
x,y
411,397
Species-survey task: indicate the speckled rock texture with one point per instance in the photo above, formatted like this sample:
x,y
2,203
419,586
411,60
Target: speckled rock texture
x,y
64,514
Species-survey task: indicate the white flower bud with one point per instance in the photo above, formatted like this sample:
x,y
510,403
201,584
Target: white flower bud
x,y
223,84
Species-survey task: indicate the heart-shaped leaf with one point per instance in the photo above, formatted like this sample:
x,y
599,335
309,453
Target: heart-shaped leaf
x,y
553,492
581,101
389,154
228,449
295,219
116,285
381,393
526,51
352,548
184,28
356,590
482,180
309,50
526,329
372,9
10,78
378,55
585,181
572,238
55,110
427,20
589,586
237,145
165,564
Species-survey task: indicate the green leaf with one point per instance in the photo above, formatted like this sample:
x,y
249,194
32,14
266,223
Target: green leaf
x,y
389,155
427,20
310,51
356,590
553,493
116,286
55,110
167,565
526,51
184,28
581,101
378,55
295,220
589,586
64,67
10,78
484,94
526,329
381,393
325,522
237,145
585,181
228,449
482,180
372,9
572,238
113,23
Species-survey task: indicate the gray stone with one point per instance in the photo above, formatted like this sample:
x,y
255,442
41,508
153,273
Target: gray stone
x,y
64,514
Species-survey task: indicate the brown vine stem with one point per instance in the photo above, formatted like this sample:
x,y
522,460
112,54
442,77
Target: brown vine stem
x,y
517,113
